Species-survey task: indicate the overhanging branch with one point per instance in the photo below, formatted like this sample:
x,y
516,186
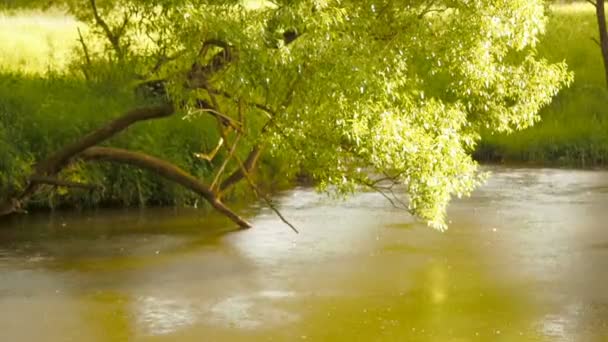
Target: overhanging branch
x,y
164,169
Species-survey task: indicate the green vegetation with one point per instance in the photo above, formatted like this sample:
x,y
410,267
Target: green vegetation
x,y
574,128
34,42
341,90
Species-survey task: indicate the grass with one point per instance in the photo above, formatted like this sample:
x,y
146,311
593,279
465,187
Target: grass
x,y
574,128
40,92
34,42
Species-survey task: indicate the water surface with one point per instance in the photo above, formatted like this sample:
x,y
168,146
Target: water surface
x,y
525,259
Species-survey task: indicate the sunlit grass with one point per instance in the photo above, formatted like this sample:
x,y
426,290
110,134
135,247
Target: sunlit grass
x,y
35,42
574,128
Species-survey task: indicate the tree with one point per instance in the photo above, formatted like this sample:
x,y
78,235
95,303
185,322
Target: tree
x,y
600,13
354,93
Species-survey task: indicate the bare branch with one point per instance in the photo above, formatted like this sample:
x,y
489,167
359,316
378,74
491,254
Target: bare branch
x,y
85,51
225,119
114,39
219,173
238,174
210,156
261,195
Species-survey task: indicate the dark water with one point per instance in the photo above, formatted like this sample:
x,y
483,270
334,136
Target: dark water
x,y
525,259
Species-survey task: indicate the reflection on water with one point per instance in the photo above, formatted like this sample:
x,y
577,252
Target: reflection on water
x,y
248,312
525,260
158,316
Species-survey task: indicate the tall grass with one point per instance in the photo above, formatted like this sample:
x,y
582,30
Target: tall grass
x,y
574,128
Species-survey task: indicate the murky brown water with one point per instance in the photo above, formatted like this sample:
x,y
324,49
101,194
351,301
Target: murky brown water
x,y
525,259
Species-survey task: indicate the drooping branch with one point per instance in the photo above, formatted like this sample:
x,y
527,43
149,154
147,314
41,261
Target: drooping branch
x,y
263,196
244,173
165,170
205,107
248,165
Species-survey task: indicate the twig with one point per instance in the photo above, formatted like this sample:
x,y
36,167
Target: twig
x,y
219,173
87,57
210,156
252,184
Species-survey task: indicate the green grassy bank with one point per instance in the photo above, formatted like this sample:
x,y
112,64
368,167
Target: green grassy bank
x,y
46,103
574,128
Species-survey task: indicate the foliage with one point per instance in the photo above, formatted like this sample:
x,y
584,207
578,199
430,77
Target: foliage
x,y
347,89
573,128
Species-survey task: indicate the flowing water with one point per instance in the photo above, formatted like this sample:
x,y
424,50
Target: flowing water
x,y
525,259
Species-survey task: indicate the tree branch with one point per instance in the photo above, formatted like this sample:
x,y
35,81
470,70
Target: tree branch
x,y
58,160
255,188
225,163
85,51
114,39
164,169
238,174
199,74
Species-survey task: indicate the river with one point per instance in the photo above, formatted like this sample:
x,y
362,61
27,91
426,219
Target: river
x,y
525,259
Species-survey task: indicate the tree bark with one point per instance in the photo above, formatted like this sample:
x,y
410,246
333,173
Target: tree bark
x,y
601,22
164,169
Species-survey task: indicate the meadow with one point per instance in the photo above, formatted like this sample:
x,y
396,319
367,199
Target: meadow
x,y
574,128
41,89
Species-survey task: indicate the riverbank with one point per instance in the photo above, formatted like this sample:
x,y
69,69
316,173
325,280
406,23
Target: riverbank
x,y
45,103
41,91
574,128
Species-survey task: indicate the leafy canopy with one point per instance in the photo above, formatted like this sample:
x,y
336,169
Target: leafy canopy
x,y
351,90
